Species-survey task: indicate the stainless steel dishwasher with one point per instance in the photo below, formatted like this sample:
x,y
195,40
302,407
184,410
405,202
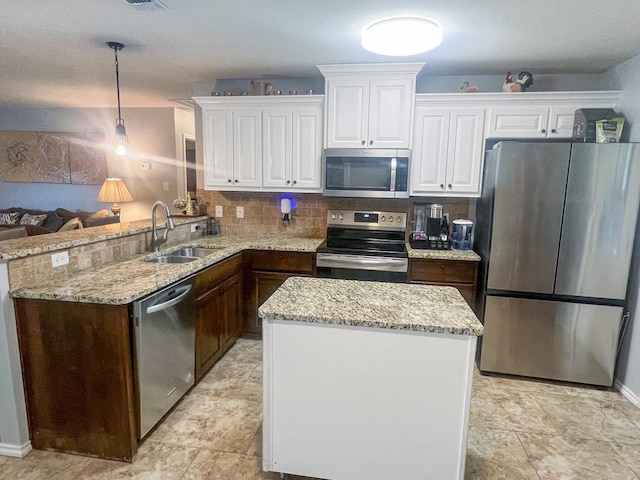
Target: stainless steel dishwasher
x,y
164,325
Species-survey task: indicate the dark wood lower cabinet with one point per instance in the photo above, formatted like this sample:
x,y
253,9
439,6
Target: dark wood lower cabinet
x,y
265,271
78,358
452,273
77,370
219,309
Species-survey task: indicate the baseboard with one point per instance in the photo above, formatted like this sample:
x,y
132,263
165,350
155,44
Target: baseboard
x,y
628,394
9,450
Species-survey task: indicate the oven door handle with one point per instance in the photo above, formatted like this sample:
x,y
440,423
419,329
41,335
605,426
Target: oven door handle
x,y
351,261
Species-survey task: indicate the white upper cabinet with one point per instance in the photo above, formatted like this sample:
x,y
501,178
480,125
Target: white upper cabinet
x,y
262,143
232,148
447,154
541,115
369,106
247,148
292,143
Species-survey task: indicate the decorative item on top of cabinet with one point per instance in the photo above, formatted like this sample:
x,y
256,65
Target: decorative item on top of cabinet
x,y
447,151
452,273
218,311
265,271
262,143
369,106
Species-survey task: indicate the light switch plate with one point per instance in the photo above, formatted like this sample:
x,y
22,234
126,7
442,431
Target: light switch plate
x,y
59,259
240,212
165,186
219,211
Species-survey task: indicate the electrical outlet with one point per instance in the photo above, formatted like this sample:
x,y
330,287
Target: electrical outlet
x,y
165,186
194,227
240,212
59,259
219,211
145,166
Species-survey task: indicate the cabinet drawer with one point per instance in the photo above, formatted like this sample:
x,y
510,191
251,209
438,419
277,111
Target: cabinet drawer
x,y
442,271
217,273
274,261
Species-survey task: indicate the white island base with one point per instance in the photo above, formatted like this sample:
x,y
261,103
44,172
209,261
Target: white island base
x,y
359,403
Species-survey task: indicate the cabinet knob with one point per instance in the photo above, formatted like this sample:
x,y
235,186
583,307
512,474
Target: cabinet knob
x,y
236,180
229,180
370,142
449,186
543,131
442,186
288,182
363,142
553,130
295,181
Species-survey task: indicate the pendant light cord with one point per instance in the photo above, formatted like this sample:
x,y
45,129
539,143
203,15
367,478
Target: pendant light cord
x,y
115,49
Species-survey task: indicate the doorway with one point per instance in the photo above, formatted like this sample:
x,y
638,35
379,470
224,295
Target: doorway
x,y
190,164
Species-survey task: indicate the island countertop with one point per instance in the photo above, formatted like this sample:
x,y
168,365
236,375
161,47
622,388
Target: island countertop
x,y
398,306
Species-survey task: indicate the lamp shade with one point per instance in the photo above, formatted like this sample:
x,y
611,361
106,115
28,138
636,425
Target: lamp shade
x,y
114,190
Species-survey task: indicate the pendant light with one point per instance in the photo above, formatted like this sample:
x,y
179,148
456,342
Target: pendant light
x,y
121,140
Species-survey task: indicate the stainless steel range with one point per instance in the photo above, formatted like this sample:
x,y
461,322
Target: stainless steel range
x,y
364,246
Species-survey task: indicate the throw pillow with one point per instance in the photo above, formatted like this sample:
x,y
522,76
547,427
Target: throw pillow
x,y
28,219
10,218
99,214
71,225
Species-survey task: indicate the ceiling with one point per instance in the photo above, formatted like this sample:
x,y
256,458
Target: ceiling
x,y
54,53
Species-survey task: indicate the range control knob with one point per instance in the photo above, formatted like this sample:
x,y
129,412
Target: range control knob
x,y
399,219
382,218
340,216
333,216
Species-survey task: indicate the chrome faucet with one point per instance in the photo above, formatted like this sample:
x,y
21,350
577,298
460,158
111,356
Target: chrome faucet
x,y
155,240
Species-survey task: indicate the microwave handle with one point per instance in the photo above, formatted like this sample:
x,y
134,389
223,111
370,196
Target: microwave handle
x,y
394,168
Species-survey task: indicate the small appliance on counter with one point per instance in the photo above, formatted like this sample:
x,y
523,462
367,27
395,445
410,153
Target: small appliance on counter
x,y
430,228
462,234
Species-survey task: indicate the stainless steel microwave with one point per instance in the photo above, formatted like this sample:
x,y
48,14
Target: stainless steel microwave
x,y
377,173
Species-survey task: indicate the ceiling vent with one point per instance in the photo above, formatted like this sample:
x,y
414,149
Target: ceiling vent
x,y
147,4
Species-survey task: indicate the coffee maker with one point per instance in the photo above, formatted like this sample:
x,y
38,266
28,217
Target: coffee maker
x,y
430,228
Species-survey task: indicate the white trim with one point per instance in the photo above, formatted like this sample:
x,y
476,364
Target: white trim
x,y
514,99
627,393
14,450
371,69
253,101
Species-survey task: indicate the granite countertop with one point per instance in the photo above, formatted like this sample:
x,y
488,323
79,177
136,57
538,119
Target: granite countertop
x,y
125,281
122,282
398,306
463,255
34,245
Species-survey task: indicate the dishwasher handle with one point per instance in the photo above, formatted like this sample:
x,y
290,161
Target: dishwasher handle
x,y
179,292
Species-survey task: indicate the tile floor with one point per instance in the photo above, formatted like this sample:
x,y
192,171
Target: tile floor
x,y
518,430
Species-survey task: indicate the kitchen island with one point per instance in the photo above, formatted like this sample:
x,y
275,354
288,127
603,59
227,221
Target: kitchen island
x,y
366,379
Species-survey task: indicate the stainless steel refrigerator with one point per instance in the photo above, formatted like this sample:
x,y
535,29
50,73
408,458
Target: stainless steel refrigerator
x,y
555,230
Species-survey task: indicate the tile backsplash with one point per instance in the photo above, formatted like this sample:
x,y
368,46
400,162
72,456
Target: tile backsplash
x,y
36,269
309,218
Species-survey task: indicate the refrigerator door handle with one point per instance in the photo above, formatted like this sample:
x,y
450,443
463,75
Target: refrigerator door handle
x,y
623,331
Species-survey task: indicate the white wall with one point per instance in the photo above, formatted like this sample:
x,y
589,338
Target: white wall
x,y
628,374
152,134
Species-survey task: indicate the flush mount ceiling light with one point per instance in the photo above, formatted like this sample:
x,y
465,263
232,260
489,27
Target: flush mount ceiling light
x,y
121,140
402,36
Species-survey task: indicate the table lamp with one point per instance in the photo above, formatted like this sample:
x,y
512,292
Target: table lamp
x,y
114,190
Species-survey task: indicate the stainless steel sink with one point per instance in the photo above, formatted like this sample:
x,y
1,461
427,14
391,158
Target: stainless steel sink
x,y
171,259
199,252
